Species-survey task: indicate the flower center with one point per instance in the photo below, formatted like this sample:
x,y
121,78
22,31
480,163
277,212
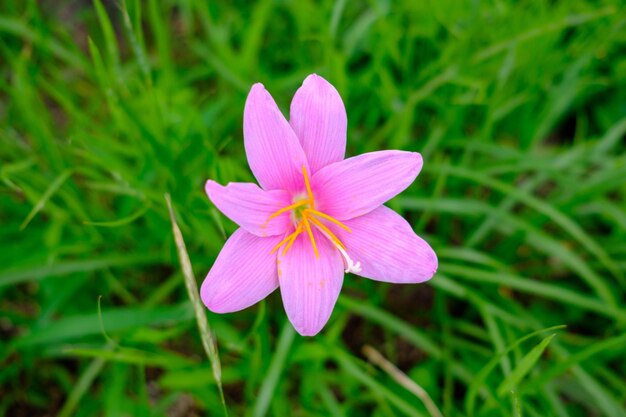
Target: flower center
x,y
305,217
301,204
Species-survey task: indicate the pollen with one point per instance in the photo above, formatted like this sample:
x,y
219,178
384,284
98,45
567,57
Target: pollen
x,y
305,218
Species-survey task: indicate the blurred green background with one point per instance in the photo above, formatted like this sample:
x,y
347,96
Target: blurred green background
x,y
518,108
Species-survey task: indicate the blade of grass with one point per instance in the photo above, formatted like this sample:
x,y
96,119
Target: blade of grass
x,y
480,377
351,367
37,273
549,211
560,367
116,320
54,186
534,286
123,221
568,21
82,385
206,334
523,367
277,365
110,40
401,378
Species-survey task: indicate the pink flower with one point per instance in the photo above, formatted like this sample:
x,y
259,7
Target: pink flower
x,y
316,214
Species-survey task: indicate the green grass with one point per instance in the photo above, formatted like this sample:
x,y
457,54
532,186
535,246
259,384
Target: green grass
x,y
519,109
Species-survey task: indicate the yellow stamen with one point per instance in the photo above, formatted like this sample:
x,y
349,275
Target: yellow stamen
x,y
327,230
307,216
293,239
327,217
285,240
284,209
308,187
310,232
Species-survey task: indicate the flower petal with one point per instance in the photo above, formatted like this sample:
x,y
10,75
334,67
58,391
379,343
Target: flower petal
x,y
250,207
388,248
319,119
358,185
243,274
275,156
310,286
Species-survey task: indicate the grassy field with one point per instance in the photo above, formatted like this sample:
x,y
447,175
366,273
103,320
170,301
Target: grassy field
x,y
518,108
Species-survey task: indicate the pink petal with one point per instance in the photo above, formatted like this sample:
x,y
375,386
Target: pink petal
x,y
243,273
357,185
310,286
319,119
388,248
250,207
275,156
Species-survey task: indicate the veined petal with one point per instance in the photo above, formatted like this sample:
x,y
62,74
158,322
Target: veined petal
x,y
388,248
250,207
355,186
319,119
274,154
310,286
243,274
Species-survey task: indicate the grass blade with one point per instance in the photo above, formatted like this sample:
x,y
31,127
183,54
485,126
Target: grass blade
x,y
524,366
273,374
208,339
480,377
56,184
401,378
81,387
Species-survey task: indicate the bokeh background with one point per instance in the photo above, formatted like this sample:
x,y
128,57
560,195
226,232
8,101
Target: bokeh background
x,y
518,108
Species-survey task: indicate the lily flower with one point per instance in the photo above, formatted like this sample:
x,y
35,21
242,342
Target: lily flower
x,y
315,215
